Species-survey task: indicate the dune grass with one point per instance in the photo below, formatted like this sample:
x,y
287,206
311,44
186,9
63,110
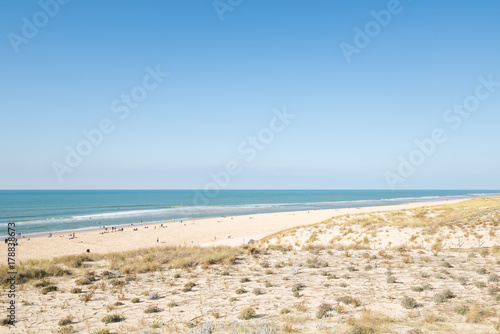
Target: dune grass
x,y
137,261
29,272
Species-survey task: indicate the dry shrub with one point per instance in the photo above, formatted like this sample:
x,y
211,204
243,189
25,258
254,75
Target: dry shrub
x,y
409,303
437,247
152,309
323,309
477,314
88,296
461,309
443,296
110,318
414,331
65,321
369,322
188,286
247,313
41,284
48,289
297,287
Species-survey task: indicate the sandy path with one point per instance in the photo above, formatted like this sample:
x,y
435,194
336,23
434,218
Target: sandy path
x,y
197,232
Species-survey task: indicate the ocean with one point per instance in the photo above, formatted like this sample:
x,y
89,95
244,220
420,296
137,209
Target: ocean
x,y
42,211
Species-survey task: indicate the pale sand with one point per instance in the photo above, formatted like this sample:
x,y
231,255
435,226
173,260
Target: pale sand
x,y
192,232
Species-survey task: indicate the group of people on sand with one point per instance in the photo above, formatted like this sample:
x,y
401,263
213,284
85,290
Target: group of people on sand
x,y
113,229
161,226
70,236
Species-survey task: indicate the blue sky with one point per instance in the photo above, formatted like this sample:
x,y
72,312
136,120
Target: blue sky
x,y
353,120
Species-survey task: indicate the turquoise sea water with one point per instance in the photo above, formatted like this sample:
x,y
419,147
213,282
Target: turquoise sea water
x,y
43,211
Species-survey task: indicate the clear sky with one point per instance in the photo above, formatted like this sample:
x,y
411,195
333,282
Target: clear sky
x,y
361,92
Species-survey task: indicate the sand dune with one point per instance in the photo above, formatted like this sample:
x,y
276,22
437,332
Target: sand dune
x,y
424,268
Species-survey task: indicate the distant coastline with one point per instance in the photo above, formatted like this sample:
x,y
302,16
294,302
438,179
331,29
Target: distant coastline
x,y
227,230
39,212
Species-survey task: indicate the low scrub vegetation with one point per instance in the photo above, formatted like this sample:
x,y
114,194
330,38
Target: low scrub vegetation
x,y
247,313
138,261
110,318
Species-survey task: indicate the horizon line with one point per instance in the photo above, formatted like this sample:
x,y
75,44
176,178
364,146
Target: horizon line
x,y
254,189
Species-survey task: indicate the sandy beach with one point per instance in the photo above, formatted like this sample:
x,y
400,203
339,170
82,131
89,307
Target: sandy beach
x,y
200,232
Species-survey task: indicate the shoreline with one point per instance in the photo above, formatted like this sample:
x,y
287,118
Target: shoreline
x,y
211,231
222,215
